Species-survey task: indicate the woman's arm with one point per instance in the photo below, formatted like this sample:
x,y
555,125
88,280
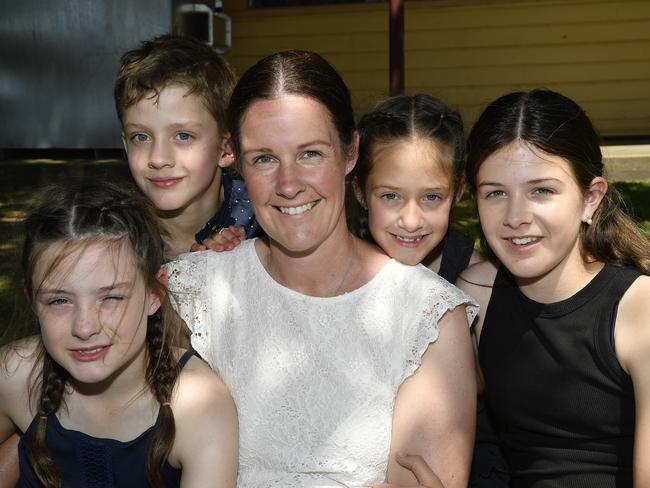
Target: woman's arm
x,y
207,433
435,409
632,339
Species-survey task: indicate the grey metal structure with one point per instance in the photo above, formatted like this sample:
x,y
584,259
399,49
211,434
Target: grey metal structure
x,y
58,59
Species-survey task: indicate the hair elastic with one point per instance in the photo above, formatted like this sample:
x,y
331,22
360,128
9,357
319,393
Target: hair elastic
x,y
166,404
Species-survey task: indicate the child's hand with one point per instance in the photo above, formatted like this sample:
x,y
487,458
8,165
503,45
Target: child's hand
x,y
420,469
226,239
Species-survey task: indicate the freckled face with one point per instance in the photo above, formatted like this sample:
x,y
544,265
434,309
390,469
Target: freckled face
x,y
174,149
531,210
92,310
409,195
294,165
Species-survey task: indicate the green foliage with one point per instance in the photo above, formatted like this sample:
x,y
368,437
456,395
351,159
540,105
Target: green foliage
x,y
20,182
635,197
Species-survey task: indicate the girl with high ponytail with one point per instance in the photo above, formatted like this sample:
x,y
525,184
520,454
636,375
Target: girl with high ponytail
x,y
102,395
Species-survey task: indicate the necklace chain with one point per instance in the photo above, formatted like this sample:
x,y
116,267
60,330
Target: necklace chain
x,y
273,272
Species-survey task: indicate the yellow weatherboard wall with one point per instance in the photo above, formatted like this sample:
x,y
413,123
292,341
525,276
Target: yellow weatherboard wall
x,y
470,52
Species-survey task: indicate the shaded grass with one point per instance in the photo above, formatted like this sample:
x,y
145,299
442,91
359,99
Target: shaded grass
x,y
20,183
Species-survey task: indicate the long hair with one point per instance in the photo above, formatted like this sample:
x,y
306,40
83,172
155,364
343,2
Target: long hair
x,y
558,126
72,217
405,117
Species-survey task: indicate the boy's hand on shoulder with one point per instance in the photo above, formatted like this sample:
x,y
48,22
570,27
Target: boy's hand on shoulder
x,y
226,239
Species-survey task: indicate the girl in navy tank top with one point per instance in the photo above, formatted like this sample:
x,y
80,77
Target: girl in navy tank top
x,y
101,395
563,334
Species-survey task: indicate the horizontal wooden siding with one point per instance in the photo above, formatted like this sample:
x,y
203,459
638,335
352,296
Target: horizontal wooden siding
x,y
595,51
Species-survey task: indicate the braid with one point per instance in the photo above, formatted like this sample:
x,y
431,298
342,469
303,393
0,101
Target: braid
x,y
162,373
81,215
52,387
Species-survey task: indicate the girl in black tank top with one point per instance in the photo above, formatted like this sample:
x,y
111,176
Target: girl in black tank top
x,y
563,335
102,395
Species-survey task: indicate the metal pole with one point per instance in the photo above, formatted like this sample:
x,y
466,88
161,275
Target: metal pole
x,y
396,46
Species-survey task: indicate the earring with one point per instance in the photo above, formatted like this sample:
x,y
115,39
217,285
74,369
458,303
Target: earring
x,y
588,221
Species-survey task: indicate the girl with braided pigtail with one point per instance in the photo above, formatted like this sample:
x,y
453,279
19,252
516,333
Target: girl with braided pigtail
x,y
102,396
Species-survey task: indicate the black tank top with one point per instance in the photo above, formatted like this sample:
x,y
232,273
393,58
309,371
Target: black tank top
x,y
90,462
562,404
456,253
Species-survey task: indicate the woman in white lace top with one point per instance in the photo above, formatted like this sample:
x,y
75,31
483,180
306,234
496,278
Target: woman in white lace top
x,y
339,359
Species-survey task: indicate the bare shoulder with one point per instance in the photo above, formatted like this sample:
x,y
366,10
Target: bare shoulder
x,y
477,281
632,334
207,430
476,258
17,362
200,388
200,394
636,296
17,359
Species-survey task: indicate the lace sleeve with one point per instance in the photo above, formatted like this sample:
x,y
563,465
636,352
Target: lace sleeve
x,y
424,330
188,281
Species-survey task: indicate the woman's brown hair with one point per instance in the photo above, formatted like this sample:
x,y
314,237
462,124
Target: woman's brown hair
x,y
301,73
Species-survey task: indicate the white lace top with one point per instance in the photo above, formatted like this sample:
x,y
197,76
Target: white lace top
x,y
314,379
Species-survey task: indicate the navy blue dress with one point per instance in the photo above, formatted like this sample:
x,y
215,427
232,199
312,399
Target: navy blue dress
x,y
89,462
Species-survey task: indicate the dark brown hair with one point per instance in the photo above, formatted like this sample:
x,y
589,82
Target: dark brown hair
x,y
406,117
301,73
558,126
76,216
169,60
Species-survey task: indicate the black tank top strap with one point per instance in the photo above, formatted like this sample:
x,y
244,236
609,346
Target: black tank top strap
x,y
185,358
456,253
621,282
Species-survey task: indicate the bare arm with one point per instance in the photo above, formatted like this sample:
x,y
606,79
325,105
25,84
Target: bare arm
x,y
207,436
632,338
14,414
9,462
435,409
477,281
